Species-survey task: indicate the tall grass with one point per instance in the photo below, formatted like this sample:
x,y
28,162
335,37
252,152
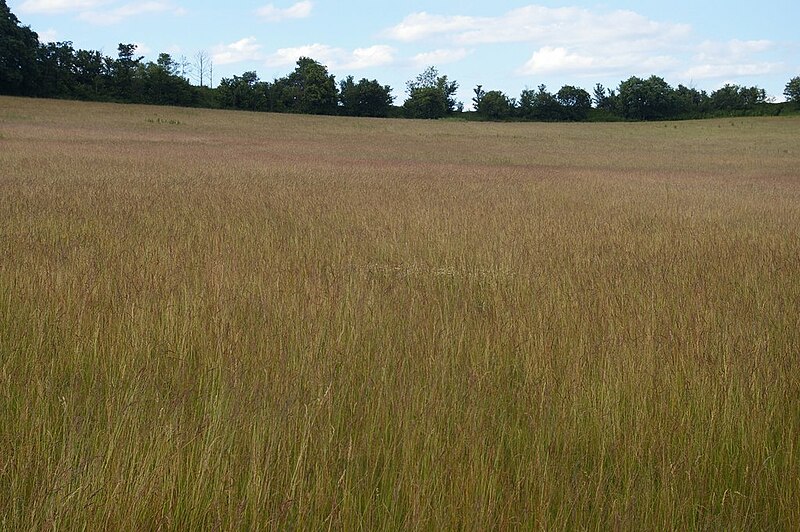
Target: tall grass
x,y
216,320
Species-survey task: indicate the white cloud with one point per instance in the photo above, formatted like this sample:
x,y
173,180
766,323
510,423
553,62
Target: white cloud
x,y
549,59
335,58
49,35
123,12
246,49
565,39
49,7
372,56
720,71
578,41
276,14
729,59
538,24
90,10
288,56
574,26
422,25
439,57
714,51
559,60
142,49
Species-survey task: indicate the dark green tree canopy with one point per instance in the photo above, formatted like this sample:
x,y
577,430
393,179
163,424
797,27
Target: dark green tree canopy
x,y
167,64
792,90
494,105
244,92
163,86
690,102
309,89
539,104
646,99
126,74
430,95
56,69
18,55
603,98
365,98
575,102
426,102
736,97
90,75
479,94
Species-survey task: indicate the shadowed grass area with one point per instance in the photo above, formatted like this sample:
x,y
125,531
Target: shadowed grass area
x,y
231,320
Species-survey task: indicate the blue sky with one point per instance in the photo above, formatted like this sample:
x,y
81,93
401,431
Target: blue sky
x,y
503,45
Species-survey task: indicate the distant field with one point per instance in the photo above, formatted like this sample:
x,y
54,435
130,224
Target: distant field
x,y
221,320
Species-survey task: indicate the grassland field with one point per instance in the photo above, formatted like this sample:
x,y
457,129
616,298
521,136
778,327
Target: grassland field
x,y
222,320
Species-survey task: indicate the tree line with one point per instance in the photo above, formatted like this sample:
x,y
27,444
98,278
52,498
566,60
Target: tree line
x,y
58,70
634,99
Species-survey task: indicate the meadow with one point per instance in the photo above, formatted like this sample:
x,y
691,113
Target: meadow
x,y
227,320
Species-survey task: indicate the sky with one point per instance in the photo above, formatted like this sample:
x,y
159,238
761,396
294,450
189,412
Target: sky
x,y
501,45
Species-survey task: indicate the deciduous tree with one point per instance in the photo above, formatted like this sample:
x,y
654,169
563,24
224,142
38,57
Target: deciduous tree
x,y
495,105
430,95
539,104
163,85
690,102
56,70
244,92
365,98
124,73
732,97
309,89
18,55
792,90
575,102
90,75
646,99
203,66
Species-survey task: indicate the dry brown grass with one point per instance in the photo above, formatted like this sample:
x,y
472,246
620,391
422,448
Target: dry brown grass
x,y
233,320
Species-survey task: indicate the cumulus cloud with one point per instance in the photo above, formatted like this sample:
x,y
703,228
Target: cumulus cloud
x,y
418,26
729,59
713,51
439,57
580,41
118,14
49,35
538,24
372,56
565,39
333,57
50,7
142,49
549,59
575,26
724,71
246,49
560,60
99,12
734,58
276,14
